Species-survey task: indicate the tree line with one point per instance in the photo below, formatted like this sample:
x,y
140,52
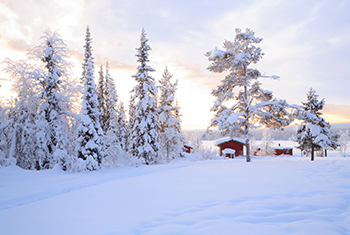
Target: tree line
x,y
57,120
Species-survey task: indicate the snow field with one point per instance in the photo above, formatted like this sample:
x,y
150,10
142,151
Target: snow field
x,y
279,195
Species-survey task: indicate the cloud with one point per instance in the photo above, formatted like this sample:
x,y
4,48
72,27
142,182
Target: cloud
x,y
336,109
15,44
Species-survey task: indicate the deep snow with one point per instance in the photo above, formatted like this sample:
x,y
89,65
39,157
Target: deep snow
x,y
273,195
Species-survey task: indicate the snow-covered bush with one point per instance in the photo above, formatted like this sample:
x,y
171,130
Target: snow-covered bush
x,y
344,142
117,157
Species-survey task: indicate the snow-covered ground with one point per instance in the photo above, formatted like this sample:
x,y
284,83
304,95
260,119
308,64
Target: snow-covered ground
x,y
271,195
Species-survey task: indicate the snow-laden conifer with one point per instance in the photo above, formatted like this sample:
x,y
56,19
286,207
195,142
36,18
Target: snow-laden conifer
x,y
170,136
122,128
101,96
43,103
6,131
252,105
112,145
89,141
314,133
145,126
18,129
111,104
53,52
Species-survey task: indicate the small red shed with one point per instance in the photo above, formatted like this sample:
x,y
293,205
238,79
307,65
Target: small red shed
x,y
278,151
283,150
188,148
231,143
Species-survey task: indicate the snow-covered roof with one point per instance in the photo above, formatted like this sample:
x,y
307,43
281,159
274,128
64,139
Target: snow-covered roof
x,y
227,139
189,146
228,151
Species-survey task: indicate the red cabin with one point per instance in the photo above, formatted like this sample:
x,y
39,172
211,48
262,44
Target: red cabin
x,y
231,143
283,150
188,148
278,151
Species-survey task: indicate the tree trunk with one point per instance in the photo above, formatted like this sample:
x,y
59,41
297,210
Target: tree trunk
x,y
247,145
325,152
312,152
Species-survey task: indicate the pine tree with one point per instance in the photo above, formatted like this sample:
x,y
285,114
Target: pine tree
x,y
51,111
101,96
18,131
44,104
90,143
314,134
111,104
253,106
6,131
171,139
131,123
113,148
122,128
145,126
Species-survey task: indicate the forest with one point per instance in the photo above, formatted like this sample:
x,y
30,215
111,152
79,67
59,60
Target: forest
x,y
81,125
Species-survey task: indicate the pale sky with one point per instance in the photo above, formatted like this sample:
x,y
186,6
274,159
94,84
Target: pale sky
x,y
306,43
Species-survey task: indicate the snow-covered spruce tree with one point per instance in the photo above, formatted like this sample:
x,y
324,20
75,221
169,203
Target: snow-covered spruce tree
x,y
253,106
170,136
113,148
6,135
145,126
18,129
53,111
101,96
314,133
177,127
111,104
90,134
122,128
131,122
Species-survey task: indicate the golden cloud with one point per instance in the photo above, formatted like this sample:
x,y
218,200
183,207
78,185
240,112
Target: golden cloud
x,y
343,111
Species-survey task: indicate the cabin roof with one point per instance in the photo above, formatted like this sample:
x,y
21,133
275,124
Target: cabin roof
x,y
228,139
189,146
228,151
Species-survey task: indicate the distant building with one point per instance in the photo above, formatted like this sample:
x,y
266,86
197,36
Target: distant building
x,y
188,148
230,144
278,151
283,150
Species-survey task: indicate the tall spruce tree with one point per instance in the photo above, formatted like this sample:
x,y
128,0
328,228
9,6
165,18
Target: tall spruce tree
x,y
111,110
122,128
53,111
131,123
145,126
90,143
314,133
101,96
170,136
111,103
253,105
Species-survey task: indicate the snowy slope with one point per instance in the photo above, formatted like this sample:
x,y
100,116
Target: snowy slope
x,y
278,195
